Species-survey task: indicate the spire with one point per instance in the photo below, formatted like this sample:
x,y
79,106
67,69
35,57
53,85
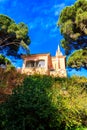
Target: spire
x,y
58,52
58,49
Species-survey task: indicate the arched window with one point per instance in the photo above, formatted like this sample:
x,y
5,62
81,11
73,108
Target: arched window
x,y
40,63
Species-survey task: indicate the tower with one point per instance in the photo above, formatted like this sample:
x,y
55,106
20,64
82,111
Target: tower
x,y
60,59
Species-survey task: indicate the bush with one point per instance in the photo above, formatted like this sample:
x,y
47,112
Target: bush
x,y
10,78
30,107
70,98
45,103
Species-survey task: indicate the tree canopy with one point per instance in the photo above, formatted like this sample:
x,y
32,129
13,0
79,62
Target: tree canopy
x,y
4,60
12,35
6,64
73,27
78,59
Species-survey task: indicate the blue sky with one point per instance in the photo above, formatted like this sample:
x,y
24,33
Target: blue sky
x,y
41,16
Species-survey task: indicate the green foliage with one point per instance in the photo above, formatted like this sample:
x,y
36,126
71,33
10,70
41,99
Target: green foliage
x,y
4,61
73,27
46,103
6,64
70,98
29,106
13,35
81,128
78,59
73,19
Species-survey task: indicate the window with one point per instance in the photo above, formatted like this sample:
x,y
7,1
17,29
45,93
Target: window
x,y
29,64
41,63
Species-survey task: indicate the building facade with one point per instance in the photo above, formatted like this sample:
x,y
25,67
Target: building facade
x,y
45,64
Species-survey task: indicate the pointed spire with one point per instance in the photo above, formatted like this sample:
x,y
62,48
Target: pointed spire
x,y
58,49
58,52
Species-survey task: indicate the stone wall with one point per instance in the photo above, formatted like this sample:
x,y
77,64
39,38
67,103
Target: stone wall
x,y
31,71
43,71
58,73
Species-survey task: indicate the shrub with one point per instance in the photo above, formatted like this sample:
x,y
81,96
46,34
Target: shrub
x,y
30,107
45,103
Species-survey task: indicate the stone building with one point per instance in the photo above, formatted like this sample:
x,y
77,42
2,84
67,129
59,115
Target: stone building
x,y
45,64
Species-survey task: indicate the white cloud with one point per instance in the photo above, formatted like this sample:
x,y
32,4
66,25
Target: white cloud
x,y
45,18
56,13
32,25
58,8
59,5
